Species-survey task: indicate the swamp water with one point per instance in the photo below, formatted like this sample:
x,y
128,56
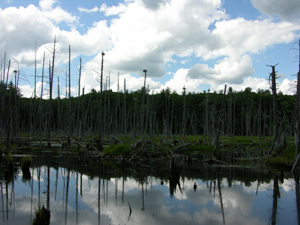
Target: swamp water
x,y
89,191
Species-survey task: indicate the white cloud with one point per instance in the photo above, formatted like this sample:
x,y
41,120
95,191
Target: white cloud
x,y
26,90
239,36
227,71
287,10
153,4
181,80
113,10
47,4
95,9
146,34
288,86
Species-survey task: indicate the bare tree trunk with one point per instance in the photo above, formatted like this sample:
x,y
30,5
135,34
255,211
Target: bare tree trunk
x,y
9,119
35,51
218,124
184,113
83,115
206,126
78,104
276,141
7,75
58,109
100,141
124,110
69,100
51,74
40,106
229,125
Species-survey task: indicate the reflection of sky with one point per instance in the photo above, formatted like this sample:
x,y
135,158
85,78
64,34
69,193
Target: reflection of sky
x,y
241,204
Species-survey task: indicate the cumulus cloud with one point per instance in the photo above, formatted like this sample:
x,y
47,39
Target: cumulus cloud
x,y
113,10
143,34
239,36
227,71
46,4
181,80
153,4
286,10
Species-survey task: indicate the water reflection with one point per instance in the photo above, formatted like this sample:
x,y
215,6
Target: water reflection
x,y
102,194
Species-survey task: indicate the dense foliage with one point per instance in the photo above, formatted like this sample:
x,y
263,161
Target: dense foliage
x,y
233,113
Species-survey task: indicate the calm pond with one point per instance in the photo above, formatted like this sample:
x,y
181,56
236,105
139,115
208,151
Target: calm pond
x,y
89,191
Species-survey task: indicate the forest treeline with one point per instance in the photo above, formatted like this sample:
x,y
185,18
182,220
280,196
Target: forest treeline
x,y
228,112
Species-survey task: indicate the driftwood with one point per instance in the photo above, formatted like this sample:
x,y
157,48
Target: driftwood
x,y
214,161
296,162
116,140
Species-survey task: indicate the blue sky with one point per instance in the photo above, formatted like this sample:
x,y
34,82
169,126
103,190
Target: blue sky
x,y
199,44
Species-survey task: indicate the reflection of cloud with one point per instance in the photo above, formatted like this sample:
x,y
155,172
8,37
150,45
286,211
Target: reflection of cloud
x,y
288,185
190,207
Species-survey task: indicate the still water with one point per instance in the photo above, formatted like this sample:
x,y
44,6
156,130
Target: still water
x,y
89,191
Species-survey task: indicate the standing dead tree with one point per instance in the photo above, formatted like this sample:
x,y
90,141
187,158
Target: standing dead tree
x,y
78,102
276,141
69,100
100,142
218,124
50,109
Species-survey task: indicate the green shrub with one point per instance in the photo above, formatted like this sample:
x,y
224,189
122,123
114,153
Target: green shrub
x,y
113,150
200,148
41,216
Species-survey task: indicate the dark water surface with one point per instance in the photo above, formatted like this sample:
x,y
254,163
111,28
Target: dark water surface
x,y
89,191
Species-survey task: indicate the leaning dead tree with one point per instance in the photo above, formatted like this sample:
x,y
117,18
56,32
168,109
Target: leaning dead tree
x,y
276,141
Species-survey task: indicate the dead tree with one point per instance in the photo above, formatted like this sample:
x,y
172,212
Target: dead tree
x,y
51,74
218,124
78,104
184,113
69,107
276,141
100,142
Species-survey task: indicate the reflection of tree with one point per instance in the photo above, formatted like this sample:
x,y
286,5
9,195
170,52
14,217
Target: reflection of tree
x,y
6,189
174,178
106,192
221,199
99,194
76,197
39,186
116,191
297,192
2,202
123,183
143,196
56,182
67,194
276,195
48,187
31,197
213,185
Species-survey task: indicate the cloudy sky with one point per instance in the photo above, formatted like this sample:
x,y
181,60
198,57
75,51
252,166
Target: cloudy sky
x,y
199,44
